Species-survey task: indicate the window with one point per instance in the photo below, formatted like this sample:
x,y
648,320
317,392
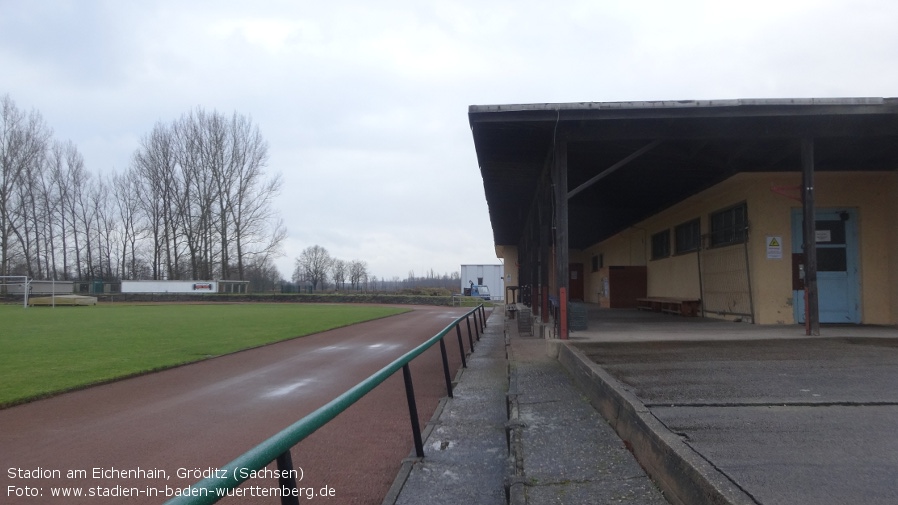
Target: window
x,y
597,262
729,226
661,245
688,236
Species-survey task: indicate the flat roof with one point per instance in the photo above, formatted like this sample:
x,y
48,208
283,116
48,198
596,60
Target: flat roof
x,y
677,104
672,149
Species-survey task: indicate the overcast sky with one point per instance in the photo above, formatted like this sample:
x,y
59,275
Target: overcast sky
x,y
364,103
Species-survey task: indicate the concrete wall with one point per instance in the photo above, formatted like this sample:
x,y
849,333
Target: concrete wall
x,y
873,195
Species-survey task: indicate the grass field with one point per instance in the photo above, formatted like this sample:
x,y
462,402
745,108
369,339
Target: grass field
x,y
48,350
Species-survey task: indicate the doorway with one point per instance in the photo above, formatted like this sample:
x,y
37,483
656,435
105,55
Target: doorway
x,y
838,286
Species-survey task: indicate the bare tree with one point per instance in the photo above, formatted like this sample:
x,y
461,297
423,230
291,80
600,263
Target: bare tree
x,y
125,190
30,216
23,140
207,169
338,271
196,202
313,263
262,276
160,191
58,160
50,203
358,272
196,208
257,230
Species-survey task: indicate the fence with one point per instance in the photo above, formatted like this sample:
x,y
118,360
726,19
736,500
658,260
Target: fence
x,y
278,446
725,280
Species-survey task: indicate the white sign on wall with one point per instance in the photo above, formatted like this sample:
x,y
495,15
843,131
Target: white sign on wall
x,y
774,248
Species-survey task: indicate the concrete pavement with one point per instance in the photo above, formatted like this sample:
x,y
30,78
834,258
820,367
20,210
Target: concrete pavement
x,y
734,413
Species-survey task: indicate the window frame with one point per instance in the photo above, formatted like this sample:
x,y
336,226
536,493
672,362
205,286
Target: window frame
x,y
598,261
732,232
695,240
662,237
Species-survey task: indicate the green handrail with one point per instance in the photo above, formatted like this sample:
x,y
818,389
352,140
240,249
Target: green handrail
x,y
236,472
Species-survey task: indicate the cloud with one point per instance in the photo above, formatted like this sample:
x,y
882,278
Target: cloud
x,y
364,103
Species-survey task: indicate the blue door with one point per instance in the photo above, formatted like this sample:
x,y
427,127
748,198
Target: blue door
x,y
837,265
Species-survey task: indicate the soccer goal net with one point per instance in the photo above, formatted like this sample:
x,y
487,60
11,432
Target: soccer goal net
x,y
16,285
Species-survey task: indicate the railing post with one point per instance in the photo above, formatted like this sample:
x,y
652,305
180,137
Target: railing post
x,y
483,316
285,479
477,323
413,410
461,347
476,326
470,338
446,368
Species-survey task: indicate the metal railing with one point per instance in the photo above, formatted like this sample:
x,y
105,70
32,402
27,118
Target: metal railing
x,y
277,448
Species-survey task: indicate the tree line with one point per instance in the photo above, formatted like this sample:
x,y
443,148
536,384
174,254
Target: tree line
x,y
194,203
316,269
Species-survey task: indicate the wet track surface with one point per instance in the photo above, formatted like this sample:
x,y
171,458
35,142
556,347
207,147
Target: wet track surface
x,y
206,414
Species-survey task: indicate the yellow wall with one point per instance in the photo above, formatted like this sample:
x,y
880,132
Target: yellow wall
x,y
624,249
509,256
873,195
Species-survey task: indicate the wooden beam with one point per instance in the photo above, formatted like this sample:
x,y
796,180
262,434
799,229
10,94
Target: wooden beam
x,y
610,170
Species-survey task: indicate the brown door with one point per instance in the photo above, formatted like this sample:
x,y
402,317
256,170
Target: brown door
x,y
576,281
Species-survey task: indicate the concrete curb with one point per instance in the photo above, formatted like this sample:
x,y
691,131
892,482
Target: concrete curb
x,y
684,475
515,482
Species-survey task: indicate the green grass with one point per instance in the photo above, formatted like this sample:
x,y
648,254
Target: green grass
x,y
48,350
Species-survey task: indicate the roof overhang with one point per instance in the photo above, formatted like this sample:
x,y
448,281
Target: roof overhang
x,y
630,160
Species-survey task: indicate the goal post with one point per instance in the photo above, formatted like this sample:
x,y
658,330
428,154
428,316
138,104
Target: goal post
x,y
20,284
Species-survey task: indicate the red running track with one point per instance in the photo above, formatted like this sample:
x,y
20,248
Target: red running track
x,y
206,414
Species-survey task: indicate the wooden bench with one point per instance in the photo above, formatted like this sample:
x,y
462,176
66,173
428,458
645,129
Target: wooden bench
x,y
688,307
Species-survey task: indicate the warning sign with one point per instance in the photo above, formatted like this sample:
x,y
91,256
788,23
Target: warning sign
x,y
774,248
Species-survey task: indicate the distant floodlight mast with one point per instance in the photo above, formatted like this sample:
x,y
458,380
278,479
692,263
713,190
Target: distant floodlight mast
x,y
19,281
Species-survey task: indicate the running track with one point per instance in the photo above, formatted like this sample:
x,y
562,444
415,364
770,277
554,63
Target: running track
x,y
204,415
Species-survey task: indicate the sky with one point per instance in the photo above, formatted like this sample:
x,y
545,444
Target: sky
x,y
364,104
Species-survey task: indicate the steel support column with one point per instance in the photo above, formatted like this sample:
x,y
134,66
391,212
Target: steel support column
x,y
562,261
545,241
812,316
